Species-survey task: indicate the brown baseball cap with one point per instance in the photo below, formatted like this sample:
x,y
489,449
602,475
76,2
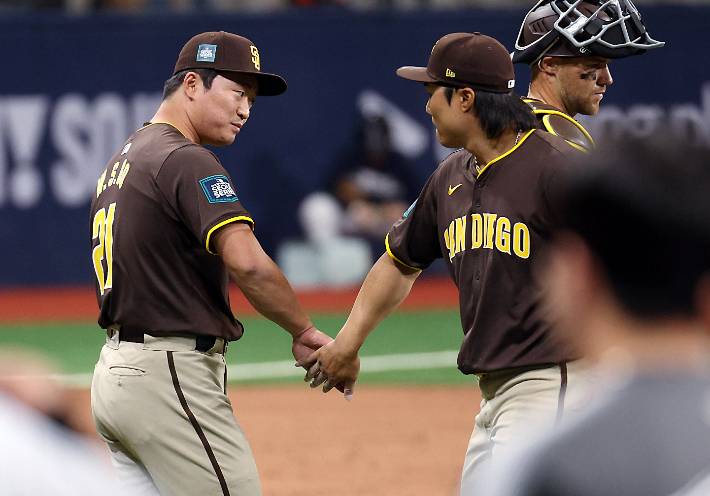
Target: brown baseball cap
x,y
228,52
473,61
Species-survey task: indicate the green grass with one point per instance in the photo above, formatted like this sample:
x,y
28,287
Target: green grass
x,y
75,346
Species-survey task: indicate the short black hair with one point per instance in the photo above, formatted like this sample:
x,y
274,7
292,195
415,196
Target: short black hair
x,y
643,207
497,112
172,84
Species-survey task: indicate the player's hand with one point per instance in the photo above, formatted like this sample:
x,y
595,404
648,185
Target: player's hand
x,y
333,365
307,342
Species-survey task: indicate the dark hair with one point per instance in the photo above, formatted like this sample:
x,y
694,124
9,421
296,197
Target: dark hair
x,y
498,111
644,210
172,84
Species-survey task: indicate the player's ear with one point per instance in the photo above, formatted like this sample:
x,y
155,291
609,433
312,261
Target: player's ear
x,y
190,83
468,96
548,65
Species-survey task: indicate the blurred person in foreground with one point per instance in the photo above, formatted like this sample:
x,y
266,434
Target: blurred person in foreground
x,y
39,454
30,377
568,45
628,279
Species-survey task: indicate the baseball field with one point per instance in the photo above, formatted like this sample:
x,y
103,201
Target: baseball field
x,y
405,432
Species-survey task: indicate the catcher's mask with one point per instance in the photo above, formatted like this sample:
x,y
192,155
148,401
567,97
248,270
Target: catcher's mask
x,y
612,29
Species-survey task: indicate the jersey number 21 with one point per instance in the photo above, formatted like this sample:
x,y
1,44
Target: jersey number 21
x,y
103,230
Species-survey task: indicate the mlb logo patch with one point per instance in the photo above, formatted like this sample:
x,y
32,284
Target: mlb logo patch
x,y
217,189
206,53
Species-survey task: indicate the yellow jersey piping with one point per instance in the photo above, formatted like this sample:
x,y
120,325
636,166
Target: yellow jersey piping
x,y
552,131
561,114
580,148
387,245
565,116
507,153
228,221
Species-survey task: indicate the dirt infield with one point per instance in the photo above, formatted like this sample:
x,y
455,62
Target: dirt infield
x,y
390,441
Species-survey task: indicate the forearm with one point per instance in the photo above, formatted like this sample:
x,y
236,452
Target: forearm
x,y
386,286
259,278
268,291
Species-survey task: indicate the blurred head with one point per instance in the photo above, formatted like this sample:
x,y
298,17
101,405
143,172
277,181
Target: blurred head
x,y
374,141
635,238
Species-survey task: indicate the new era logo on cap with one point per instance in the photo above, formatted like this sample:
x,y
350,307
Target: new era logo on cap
x,y
206,53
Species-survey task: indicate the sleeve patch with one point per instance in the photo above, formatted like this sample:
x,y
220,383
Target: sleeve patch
x,y
218,190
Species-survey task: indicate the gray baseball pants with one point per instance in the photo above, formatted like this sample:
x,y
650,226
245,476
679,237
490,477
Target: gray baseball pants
x,y
162,409
519,404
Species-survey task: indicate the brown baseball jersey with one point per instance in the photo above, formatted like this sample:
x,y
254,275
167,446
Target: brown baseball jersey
x,y
489,225
557,122
156,207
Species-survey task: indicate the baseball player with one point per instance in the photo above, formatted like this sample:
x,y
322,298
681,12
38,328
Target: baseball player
x,y
488,210
167,231
568,44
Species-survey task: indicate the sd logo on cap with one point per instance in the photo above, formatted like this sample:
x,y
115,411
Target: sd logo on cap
x,y
228,52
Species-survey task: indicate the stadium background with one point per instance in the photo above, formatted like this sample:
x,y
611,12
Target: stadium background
x,y
79,84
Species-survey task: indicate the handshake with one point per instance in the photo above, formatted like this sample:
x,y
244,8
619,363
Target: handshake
x,y
331,362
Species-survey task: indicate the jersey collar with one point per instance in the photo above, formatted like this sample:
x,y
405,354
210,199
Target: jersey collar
x,y
520,142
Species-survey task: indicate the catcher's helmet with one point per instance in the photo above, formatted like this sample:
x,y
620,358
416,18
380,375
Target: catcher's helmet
x,y
612,29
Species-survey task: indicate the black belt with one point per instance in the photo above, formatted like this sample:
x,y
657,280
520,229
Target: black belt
x,y
202,342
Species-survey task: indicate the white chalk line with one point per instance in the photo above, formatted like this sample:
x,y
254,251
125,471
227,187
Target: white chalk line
x,y
286,368
382,363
